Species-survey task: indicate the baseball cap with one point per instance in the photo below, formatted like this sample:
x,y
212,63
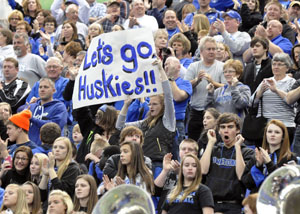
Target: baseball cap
x,y
233,14
293,3
111,2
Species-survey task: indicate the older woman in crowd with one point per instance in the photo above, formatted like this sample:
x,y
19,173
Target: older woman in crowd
x,y
271,94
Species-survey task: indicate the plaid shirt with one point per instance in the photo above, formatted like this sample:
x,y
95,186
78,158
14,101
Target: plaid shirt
x,y
97,10
107,24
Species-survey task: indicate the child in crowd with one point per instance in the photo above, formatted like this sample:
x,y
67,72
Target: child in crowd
x,y
77,136
94,156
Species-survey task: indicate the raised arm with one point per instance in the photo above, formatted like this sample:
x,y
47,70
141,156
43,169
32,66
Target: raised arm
x,y
206,157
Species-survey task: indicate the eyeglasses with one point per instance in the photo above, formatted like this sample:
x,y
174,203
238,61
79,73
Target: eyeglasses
x,y
274,64
14,19
52,66
21,159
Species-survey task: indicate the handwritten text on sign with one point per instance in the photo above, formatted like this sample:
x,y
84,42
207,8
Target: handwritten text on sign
x,y
117,65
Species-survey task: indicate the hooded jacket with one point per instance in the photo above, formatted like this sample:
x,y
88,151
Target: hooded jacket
x,y
54,111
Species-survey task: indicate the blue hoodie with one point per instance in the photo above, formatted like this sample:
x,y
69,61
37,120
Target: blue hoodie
x,y
54,111
60,85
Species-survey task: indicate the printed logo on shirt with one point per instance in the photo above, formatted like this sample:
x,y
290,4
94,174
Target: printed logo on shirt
x,y
223,162
189,199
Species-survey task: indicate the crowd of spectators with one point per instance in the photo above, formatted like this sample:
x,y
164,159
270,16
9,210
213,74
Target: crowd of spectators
x,y
219,61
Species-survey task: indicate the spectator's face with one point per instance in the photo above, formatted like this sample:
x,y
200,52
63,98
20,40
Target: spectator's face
x,y
178,48
138,8
279,68
113,9
274,135
32,5
209,122
35,167
10,72
209,51
53,69
77,136
94,31
82,189
46,91
251,4
133,137
79,59
161,41
4,112
294,12
40,17
297,53
56,205
229,74
2,40
204,3
126,153
186,148
28,189
228,132
21,29
189,168
14,19
21,161
170,20
59,150
231,24
19,47
13,132
67,30
10,197
72,14
273,12
49,27
273,29
220,53
155,106
258,50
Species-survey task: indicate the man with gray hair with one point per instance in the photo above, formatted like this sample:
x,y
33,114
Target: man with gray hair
x,y
58,10
72,16
31,66
200,74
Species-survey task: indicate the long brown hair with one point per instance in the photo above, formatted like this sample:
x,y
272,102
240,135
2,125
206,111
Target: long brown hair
x,y
151,120
93,198
25,7
36,203
285,143
179,186
137,165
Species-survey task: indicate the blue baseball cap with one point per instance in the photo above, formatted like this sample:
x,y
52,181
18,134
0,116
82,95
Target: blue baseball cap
x,y
233,14
71,2
103,108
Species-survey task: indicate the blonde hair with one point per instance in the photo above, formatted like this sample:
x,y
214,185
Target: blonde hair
x,y
76,128
21,204
98,143
179,186
65,198
62,168
201,22
41,157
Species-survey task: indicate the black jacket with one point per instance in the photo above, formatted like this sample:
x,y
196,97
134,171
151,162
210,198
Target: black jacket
x,y
249,19
264,72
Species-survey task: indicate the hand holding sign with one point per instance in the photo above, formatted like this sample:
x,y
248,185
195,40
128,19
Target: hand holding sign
x,y
117,65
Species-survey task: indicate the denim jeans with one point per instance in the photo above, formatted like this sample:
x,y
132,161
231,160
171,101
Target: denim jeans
x,y
296,142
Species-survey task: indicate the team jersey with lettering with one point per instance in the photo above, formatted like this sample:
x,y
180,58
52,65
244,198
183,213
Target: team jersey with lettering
x,y
221,177
193,203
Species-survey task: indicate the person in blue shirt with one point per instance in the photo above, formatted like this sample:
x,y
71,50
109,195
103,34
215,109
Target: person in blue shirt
x,y
277,43
181,90
203,8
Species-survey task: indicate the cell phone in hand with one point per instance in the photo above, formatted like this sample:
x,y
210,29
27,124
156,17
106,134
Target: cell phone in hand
x,y
8,158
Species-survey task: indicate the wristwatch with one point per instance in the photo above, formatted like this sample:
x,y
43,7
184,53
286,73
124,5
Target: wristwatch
x,y
171,79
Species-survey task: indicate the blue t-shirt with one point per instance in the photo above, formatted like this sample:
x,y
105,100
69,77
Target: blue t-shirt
x,y
284,43
180,107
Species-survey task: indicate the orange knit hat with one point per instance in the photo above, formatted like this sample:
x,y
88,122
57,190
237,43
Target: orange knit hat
x,y
22,119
